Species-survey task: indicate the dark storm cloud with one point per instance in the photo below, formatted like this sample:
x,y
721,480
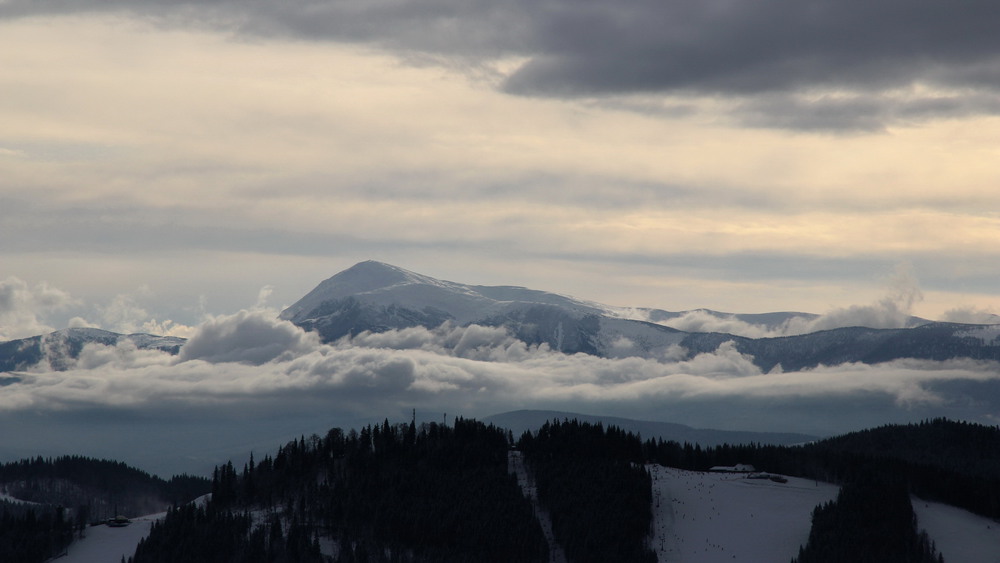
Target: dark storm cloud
x,y
761,55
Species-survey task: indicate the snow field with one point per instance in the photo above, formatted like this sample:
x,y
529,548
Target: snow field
x,y
102,544
960,536
703,517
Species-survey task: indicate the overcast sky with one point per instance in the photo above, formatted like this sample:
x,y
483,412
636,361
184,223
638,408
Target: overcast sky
x,y
164,160
192,167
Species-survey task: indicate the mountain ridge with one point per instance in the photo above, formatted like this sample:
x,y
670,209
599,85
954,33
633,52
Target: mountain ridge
x,y
377,297
61,347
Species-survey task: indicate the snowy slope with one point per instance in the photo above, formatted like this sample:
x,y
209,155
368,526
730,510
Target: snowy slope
x,y
102,544
376,297
698,518
380,284
383,285
720,517
373,296
960,536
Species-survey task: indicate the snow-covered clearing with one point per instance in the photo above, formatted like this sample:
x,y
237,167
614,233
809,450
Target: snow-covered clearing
x,y
714,517
102,544
960,536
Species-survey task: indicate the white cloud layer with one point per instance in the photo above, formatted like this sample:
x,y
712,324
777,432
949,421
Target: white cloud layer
x,y
250,382
127,315
250,358
894,310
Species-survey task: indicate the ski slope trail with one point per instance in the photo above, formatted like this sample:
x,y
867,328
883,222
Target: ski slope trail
x,y
703,517
959,535
515,465
102,544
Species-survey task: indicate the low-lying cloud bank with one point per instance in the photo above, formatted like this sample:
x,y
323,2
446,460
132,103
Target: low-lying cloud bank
x,y
249,382
251,358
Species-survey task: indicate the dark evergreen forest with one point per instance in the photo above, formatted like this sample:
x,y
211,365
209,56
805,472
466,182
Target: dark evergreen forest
x,y
34,533
388,493
437,493
434,492
594,483
871,521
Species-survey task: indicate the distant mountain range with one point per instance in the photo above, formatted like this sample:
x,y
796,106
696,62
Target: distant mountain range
x,y
60,348
372,296
378,297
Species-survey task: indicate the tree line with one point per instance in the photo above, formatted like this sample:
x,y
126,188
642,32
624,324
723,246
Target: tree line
x,y
436,492
871,521
387,493
594,484
65,494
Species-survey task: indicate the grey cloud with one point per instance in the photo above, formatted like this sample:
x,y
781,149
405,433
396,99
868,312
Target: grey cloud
x,y
252,337
866,111
759,54
23,307
252,357
123,355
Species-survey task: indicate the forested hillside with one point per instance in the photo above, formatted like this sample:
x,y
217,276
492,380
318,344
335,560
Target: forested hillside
x,y
34,533
871,521
387,493
60,497
435,492
957,463
594,484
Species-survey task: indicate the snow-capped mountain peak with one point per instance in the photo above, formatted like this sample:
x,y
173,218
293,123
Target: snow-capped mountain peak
x,y
379,283
374,296
377,297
